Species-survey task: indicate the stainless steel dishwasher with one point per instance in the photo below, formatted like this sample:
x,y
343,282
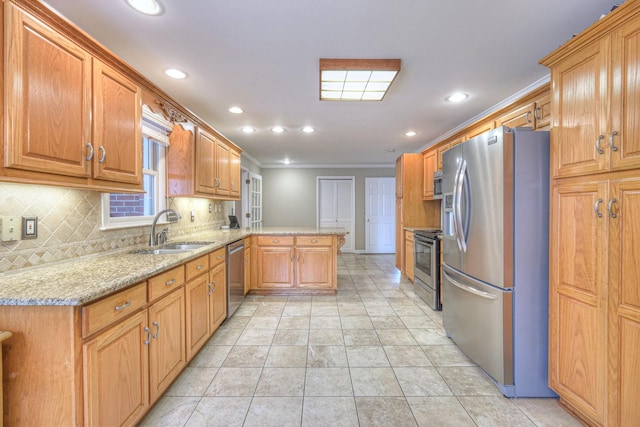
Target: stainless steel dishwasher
x,y
235,276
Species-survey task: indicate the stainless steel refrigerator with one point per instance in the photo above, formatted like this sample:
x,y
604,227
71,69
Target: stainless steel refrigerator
x,y
495,255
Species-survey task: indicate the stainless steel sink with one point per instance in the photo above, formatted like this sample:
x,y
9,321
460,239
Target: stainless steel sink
x,y
173,248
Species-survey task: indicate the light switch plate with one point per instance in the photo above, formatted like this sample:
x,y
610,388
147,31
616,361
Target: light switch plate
x,y
29,227
10,228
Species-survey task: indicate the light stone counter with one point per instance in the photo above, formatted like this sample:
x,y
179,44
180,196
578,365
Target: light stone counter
x,y
81,280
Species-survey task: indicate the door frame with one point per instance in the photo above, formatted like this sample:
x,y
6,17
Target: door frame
x,y
352,208
367,238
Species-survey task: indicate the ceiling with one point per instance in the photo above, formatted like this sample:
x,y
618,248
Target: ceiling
x,y
263,56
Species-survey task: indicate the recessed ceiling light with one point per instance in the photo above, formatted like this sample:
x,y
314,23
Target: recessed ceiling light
x,y
236,110
148,7
411,133
456,97
277,129
391,150
286,161
308,129
248,129
356,79
174,73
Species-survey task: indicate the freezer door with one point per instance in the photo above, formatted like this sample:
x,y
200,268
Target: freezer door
x,y
487,207
479,319
451,250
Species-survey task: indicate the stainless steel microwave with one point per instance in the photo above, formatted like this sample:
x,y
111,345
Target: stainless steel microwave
x,y
437,185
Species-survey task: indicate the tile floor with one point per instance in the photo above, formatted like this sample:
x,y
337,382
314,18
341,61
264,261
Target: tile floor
x,y
373,355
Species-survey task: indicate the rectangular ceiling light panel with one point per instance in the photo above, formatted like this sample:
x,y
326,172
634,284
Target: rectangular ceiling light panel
x,y
356,79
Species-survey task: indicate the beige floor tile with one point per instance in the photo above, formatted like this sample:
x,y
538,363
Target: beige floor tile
x,y
256,337
269,310
374,382
468,381
421,381
406,355
274,412
263,322
192,382
381,311
546,412
396,337
225,336
439,411
328,382
324,309
247,356
356,322
294,322
408,310
360,337
384,412
281,382
326,356
447,355
326,337
234,382
297,309
387,322
287,356
291,337
367,356
421,321
329,411
211,356
494,411
354,310
220,412
170,411
245,310
235,322
430,337
325,322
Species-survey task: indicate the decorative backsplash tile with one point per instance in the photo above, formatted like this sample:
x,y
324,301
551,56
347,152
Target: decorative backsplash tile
x,y
69,223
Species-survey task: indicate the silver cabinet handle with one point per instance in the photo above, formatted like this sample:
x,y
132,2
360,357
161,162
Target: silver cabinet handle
x,y
103,155
200,267
598,149
123,306
275,241
148,331
611,144
315,241
155,336
611,202
90,147
528,117
213,286
596,208
298,257
219,257
170,282
469,289
535,113
210,291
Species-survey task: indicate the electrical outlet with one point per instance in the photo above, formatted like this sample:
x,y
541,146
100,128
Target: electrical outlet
x,y
210,207
10,228
29,227
193,215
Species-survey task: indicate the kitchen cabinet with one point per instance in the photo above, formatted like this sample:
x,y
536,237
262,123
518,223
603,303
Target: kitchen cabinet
x,y
594,311
222,163
247,266
479,129
206,148
197,312
235,174
217,296
295,263
520,117
430,160
73,120
181,161
217,166
410,256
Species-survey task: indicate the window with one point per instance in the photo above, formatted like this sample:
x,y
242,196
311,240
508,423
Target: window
x,y
130,210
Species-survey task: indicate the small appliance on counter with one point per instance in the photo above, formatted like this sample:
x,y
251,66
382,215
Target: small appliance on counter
x,y
233,222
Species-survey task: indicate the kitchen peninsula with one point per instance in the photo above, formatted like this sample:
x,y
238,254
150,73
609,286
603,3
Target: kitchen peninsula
x,y
108,334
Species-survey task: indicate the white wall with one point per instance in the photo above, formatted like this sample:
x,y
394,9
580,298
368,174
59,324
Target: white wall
x,y
289,196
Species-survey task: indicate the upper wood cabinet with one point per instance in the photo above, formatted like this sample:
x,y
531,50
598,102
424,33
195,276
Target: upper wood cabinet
x,y
70,114
595,99
217,167
430,161
181,161
205,179
520,117
223,157
235,174
478,130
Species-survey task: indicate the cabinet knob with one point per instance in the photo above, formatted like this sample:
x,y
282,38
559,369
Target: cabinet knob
x,y
598,149
275,241
611,144
610,208
155,336
103,154
528,117
170,282
200,267
314,241
536,113
148,331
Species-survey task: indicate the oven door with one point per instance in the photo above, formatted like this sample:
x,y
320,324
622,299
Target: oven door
x,y
426,272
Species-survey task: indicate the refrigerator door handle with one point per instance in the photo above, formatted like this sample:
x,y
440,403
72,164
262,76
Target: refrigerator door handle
x,y
468,288
454,207
458,209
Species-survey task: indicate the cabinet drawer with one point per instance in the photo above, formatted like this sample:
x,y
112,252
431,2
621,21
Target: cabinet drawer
x,y
197,267
275,240
166,282
108,310
313,240
217,257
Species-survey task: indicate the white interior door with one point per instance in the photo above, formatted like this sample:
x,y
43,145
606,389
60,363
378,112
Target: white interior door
x,y
251,200
336,206
380,215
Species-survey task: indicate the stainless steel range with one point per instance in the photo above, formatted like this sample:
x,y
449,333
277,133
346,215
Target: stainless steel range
x,y
427,266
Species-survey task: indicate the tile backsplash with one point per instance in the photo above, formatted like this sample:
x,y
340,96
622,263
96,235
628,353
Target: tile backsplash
x,y
69,222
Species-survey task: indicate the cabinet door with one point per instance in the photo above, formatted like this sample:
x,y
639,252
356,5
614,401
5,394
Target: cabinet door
x,y
275,267
180,162
624,294
48,98
167,348
579,101
577,295
399,175
217,297
116,374
399,234
117,133
235,173
247,269
478,130
520,117
222,169
205,163
625,94
430,162
440,150
314,267
542,112
197,309
409,259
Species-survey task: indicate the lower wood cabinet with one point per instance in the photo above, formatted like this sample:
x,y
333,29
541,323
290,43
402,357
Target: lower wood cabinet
x,y
217,297
314,267
409,254
197,304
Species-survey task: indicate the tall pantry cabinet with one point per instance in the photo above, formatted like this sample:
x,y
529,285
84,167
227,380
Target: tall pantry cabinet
x,y
594,313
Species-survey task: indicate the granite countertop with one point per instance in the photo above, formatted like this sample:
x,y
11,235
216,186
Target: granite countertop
x,y
81,280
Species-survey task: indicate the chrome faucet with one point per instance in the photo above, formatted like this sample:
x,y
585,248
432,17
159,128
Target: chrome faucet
x,y
152,236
